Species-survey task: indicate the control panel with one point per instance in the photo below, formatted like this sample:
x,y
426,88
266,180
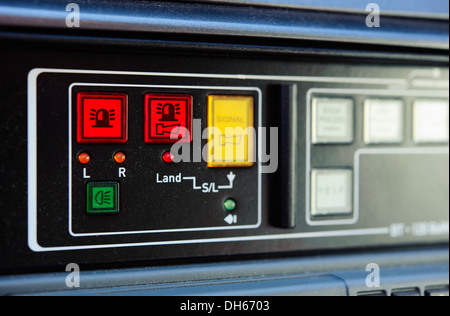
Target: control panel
x,y
154,158
158,135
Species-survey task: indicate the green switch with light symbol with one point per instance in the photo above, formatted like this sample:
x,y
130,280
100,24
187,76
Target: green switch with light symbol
x,y
102,198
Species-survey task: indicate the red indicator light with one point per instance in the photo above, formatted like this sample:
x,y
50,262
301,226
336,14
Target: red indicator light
x,y
168,118
102,117
168,157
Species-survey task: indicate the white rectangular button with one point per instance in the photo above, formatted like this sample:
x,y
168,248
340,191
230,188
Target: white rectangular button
x,y
331,192
431,121
383,121
332,120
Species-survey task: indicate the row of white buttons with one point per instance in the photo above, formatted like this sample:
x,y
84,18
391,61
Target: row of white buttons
x,y
333,121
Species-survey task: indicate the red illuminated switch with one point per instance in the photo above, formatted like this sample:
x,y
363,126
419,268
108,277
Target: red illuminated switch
x,y
168,118
102,117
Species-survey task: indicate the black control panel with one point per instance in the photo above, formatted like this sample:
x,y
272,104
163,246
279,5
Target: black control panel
x,y
162,156
161,187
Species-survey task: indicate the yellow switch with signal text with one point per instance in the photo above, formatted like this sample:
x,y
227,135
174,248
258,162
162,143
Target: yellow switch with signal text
x,y
231,133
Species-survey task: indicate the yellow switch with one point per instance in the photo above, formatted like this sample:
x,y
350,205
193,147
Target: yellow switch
x,y
231,137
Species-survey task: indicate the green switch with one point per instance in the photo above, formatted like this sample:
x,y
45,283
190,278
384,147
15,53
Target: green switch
x,y
102,198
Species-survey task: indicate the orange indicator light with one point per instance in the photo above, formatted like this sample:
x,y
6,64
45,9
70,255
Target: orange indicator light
x,y
119,157
84,158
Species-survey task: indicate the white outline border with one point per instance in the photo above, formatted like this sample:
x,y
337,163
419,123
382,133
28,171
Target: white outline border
x,y
244,89
435,94
32,157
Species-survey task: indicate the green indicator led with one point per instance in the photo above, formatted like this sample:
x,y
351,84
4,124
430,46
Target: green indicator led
x,y
103,198
230,205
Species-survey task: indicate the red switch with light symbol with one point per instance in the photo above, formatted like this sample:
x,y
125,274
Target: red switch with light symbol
x,y
168,118
102,117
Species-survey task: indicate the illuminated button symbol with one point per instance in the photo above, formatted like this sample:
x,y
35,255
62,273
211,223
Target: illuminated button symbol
x,y
234,140
167,129
168,112
102,198
102,118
